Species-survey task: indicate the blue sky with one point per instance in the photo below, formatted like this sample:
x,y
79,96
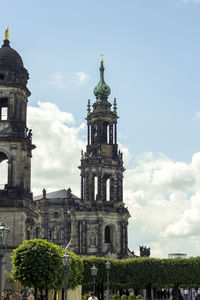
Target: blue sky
x,y
152,64
151,50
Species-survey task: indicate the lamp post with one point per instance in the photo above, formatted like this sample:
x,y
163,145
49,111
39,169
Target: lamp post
x,y
108,266
66,262
94,271
4,231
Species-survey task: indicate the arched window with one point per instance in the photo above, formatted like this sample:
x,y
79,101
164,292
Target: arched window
x,y
107,235
3,170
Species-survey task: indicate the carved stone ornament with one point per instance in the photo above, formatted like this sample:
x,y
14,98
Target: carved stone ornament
x,y
92,238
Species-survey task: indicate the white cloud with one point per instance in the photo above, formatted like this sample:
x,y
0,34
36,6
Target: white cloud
x,y
58,141
57,79
163,196
82,77
61,80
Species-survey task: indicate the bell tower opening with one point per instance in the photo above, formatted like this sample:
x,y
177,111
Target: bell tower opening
x,y
108,189
95,188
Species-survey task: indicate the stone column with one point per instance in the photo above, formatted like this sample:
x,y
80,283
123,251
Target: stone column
x,y
82,186
81,236
126,238
111,189
86,234
88,134
100,235
115,133
91,188
78,236
92,134
121,238
111,134
84,237
86,188
99,186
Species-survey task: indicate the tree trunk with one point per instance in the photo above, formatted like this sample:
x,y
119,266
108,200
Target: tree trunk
x,y
35,292
55,295
102,291
148,292
41,295
46,293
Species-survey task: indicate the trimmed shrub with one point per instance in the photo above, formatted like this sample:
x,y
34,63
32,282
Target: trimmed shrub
x,y
139,297
114,297
131,297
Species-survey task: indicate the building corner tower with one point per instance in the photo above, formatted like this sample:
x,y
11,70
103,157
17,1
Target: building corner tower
x,y
16,203
101,225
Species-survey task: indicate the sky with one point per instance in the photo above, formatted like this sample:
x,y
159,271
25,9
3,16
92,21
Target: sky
x,y
151,52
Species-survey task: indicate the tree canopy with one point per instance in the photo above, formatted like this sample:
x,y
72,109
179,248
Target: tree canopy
x,y
38,263
141,272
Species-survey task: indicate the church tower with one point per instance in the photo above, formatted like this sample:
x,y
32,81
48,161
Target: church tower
x,y
103,229
16,204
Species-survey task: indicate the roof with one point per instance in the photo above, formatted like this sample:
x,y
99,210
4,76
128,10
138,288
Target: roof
x,y
10,57
61,194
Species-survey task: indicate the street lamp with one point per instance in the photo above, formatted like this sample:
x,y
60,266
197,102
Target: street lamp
x,y
94,271
66,262
108,266
4,231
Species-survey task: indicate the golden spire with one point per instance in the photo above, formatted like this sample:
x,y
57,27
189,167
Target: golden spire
x,y
101,58
6,34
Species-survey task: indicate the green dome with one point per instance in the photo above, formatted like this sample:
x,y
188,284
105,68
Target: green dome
x,y
102,90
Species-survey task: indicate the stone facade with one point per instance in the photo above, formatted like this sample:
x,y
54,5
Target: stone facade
x,y
96,223
16,201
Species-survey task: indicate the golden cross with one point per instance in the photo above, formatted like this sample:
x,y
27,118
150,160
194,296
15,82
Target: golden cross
x,y
101,58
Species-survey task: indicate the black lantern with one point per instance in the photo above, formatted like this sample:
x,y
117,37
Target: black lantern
x,y
94,271
108,266
66,262
4,231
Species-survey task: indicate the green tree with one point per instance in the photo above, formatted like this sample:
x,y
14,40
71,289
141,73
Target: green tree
x,y
38,263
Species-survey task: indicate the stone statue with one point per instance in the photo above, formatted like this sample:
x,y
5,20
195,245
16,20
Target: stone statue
x,y
92,238
69,192
30,135
44,192
144,251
